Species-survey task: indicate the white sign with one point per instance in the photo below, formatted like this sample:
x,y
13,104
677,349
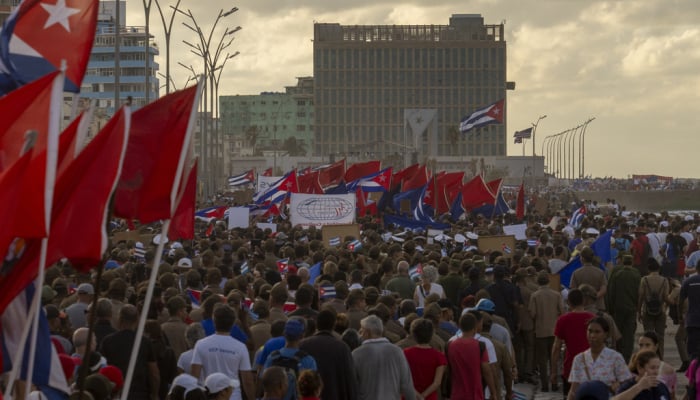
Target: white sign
x,y
322,209
264,182
238,217
519,231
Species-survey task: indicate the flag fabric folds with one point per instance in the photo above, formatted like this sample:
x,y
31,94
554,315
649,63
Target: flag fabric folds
x,y
600,247
359,170
47,374
38,36
524,134
490,114
159,143
242,179
279,190
331,174
182,223
577,217
517,140
376,182
475,194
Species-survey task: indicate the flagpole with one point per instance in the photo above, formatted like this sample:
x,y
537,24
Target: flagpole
x,y
37,299
144,312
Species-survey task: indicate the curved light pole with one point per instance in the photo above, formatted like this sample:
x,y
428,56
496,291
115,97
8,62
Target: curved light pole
x,y
534,130
210,61
167,28
570,145
582,147
560,155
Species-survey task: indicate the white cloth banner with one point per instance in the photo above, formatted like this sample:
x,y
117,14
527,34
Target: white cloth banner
x,y
322,209
264,182
519,231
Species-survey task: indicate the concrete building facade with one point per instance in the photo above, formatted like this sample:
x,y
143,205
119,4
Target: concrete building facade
x,y
371,79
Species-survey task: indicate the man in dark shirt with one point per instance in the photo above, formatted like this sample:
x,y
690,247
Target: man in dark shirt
x,y
333,359
691,290
116,348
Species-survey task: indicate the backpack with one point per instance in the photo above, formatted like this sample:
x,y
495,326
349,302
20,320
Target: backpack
x,y
653,304
291,366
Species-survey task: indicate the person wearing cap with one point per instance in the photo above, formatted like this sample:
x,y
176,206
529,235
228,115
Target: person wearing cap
x,y
453,282
381,367
76,312
505,297
103,324
641,249
333,359
57,321
186,387
545,307
589,304
504,367
592,275
294,330
99,386
222,353
402,283
220,386
116,348
622,297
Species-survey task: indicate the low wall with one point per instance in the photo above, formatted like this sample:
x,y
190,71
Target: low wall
x,y
650,201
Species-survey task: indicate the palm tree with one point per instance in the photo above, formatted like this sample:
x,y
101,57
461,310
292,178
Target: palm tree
x,y
294,147
453,137
251,136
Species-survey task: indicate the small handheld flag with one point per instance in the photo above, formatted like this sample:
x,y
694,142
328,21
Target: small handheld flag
x,y
334,241
355,245
326,292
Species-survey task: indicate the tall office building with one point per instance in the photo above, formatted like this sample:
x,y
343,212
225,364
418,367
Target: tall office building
x,y
372,81
100,78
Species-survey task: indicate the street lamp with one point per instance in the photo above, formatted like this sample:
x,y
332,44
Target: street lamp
x,y
582,147
211,65
167,28
534,130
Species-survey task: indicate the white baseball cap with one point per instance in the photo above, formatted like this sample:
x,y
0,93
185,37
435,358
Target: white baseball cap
x,y
217,382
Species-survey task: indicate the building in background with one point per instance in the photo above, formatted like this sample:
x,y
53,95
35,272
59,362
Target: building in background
x,y
6,8
99,81
270,124
371,81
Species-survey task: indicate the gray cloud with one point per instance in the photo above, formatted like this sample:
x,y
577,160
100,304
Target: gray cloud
x,y
632,64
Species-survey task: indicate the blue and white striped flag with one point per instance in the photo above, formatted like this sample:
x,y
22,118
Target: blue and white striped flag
x,y
355,245
334,241
415,271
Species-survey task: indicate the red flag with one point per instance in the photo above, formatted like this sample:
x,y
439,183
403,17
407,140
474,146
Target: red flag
x,y
495,186
416,180
520,204
447,186
359,170
159,142
332,174
39,36
475,194
267,172
32,111
400,176
308,183
80,208
182,224
70,143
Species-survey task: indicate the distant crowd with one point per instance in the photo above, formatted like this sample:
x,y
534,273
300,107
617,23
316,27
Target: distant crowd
x,y
252,313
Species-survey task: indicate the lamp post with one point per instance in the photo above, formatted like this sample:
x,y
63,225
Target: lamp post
x,y
534,130
167,28
560,157
147,13
210,62
582,147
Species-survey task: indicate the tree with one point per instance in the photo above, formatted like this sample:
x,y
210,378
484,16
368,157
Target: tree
x,y
294,147
251,136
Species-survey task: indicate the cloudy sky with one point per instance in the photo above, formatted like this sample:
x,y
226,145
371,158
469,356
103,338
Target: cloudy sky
x,y
633,65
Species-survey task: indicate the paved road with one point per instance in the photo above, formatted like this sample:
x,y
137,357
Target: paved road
x,y
670,355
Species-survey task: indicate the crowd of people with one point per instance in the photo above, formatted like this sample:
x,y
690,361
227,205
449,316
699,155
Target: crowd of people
x,y
250,313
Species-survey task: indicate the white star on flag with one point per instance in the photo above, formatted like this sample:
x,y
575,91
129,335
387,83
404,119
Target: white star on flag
x,y
496,110
382,178
59,14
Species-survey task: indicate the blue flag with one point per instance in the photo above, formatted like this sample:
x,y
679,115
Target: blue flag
x,y
601,248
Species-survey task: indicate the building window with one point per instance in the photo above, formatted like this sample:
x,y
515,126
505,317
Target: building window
x,y
301,102
301,128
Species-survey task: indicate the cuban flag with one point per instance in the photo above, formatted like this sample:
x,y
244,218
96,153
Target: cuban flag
x,y
334,241
242,179
533,242
423,212
207,214
47,374
195,297
40,34
283,265
326,292
355,245
506,248
278,190
577,217
415,271
376,182
244,268
490,114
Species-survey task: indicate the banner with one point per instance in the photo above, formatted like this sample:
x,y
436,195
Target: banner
x,y
322,209
264,182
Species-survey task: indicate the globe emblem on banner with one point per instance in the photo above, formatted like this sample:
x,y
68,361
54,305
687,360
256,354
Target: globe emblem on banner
x,y
325,209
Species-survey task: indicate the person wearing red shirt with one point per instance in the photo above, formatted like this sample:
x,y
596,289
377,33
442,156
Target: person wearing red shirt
x,y
427,364
570,330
